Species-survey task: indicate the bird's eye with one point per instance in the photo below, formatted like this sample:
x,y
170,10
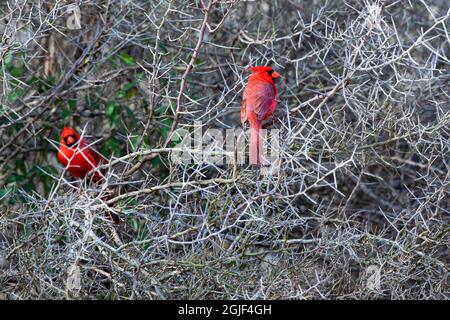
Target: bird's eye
x,y
270,72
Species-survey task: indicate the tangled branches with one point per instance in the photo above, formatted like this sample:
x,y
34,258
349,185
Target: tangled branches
x,y
355,206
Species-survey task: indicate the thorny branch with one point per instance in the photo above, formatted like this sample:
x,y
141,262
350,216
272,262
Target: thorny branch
x,y
361,182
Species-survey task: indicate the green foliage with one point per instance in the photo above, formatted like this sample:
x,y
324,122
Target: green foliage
x,y
26,178
70,109
164,127
127,59
14,65
112,146
113,112
43,84
134,142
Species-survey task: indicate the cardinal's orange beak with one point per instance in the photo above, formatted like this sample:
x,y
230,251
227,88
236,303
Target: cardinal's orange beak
x,y
70,140
275,75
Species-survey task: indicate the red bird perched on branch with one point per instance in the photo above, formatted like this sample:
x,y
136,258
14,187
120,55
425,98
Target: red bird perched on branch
x,y
79,159
258,103
77,156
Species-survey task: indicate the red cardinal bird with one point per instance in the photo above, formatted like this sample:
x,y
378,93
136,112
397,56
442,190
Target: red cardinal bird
x,y
79,159
76,155
258,103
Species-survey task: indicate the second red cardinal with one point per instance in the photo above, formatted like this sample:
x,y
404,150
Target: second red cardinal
x,y
258,103
79,159
77,156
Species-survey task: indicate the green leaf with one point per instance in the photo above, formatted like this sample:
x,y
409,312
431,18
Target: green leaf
x,y
113,146
176,138
72,102
15,178
161,109
20,164
198,61
4,192
127,59
113,112
134,142
163,48
155,161
66,113
135,224
127,91
131,115
165,126
17,71
15,94
8,60
165,109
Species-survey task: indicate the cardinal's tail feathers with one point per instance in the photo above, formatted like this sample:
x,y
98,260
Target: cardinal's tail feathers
x,y
256,144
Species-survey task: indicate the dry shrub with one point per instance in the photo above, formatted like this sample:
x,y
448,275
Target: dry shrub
x,y
356,207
